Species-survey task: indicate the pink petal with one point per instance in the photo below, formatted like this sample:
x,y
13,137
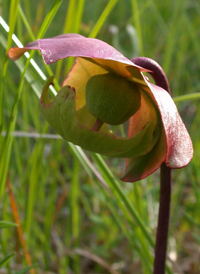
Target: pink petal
x,y
63,46
174,146
66,45
179,145
16,53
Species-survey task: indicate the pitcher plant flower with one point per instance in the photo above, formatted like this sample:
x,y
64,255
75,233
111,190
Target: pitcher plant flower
x,y
105,88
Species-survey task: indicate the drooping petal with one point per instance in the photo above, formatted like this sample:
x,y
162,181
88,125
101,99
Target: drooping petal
x,y
179,145
61,115
66,45
174,146
63,46
16,53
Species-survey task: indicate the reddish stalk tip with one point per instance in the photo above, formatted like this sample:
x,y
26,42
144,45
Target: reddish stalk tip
x,y
97,125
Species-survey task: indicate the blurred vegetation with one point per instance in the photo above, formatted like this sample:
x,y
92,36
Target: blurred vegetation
x,y
73,215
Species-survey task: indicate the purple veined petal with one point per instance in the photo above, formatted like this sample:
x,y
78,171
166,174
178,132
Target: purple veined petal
x,y
174,146
63,46
72,45
179,145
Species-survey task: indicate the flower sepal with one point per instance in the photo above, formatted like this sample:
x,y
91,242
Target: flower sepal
x,y
63,117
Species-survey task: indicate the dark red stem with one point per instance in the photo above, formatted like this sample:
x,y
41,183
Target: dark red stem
x,y
165,176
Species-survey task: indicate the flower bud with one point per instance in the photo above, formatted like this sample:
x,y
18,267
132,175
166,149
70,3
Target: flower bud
x,y
111,98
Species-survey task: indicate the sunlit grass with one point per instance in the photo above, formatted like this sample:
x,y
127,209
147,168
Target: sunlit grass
x,y
69,200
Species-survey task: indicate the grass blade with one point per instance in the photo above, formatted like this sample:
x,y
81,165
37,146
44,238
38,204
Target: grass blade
x,y
6,260
102,18
11,126
5,224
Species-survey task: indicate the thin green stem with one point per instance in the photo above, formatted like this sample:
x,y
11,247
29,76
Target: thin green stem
x,y
186,97
102,18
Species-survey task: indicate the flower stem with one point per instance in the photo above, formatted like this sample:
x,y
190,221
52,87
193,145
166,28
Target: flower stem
x,y
97,125
163,220
165,176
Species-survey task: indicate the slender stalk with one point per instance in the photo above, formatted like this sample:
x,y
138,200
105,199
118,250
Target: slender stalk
x,y
163,220
165,176
97,125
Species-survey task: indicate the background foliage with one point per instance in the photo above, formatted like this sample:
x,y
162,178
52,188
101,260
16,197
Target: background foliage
x,y
73,214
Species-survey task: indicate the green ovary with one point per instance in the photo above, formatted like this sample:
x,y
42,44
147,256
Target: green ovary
x,y
112,98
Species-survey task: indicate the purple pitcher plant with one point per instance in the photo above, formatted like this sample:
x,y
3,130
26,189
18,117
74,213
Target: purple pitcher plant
x,y
105,85
105,88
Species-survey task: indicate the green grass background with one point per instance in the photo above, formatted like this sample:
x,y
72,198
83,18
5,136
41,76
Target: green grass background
x,y
76,215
